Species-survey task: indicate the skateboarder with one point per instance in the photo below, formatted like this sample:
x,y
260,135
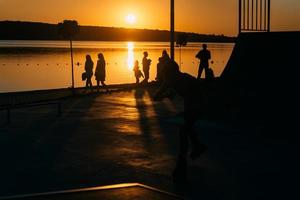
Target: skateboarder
x,y
194,100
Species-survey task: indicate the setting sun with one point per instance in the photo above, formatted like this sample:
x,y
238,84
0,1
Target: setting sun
x,y
130,19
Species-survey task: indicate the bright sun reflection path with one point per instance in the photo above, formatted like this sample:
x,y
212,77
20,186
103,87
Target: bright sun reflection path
x,y
130,59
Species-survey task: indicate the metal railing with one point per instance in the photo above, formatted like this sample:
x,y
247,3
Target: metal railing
x,y
9,108
254,15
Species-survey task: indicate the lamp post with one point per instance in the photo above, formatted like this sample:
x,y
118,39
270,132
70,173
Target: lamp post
x,y
172,31
68,29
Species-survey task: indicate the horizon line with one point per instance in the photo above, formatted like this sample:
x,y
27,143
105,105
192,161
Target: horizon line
x,y
99,26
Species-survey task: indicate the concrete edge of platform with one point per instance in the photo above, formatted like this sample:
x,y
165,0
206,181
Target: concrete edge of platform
x,y
91,189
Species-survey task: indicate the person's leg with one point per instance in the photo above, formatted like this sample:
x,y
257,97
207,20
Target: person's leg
x,y
103,84
98,85
200,72
90,83
87,83
147,76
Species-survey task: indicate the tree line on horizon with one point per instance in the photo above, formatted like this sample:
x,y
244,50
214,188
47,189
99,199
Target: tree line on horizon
x,y
16,30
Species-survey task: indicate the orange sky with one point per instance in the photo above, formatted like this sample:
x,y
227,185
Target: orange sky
x,y
202,16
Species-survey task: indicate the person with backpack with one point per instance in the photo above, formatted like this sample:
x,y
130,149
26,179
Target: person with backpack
x,y
204,56
89,65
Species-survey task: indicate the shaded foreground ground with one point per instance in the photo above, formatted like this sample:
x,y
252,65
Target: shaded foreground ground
x,y
126,137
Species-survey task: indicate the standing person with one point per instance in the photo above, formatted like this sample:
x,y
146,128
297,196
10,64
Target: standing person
x,y
204,56
146,67
162,62
100,72
137,72
89,65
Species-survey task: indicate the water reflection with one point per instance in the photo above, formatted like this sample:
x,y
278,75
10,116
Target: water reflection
x,y
130,59
47,68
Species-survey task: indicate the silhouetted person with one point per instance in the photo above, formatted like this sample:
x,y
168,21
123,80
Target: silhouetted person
x,y
100,72
190,89
89,65
204,56
162,62
137,72
146,67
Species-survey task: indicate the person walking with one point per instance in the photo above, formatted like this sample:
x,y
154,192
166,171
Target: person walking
x,y
89,65
204,56
146,66
100,71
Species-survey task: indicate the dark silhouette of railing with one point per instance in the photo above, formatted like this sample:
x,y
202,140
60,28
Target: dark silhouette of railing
x,y
9,108
254,15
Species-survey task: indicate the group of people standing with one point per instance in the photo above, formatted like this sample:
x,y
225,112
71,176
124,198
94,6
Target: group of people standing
x,y
170,78
100,72
203,55
146,69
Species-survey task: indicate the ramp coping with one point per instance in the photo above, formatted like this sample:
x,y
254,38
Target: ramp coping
x,y
90,189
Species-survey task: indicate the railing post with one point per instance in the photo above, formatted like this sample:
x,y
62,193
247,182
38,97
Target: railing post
x,y
72,63
240,16
261,7
248,14
269,15
256,27
254,15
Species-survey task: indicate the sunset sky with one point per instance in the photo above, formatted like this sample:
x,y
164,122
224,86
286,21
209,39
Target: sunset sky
x,y
201,16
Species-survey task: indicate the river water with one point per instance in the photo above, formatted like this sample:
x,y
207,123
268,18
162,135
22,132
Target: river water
x,y
35,65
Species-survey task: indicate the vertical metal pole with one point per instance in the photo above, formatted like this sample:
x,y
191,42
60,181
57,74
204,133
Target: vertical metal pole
x,y
240,16
265,15
172,31
256,14
248,14
252,21
260,14
244,14
269,15
72,63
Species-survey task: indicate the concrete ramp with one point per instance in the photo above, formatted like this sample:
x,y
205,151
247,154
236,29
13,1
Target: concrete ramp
x,y
261,59
262,77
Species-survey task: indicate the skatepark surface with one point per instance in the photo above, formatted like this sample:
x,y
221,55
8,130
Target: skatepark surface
x,y
126,137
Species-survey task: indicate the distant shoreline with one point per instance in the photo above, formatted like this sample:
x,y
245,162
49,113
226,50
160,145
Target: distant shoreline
x,y
27,47
16,30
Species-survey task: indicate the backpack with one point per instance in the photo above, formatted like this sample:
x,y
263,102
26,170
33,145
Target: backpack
x,y
83,76
210,74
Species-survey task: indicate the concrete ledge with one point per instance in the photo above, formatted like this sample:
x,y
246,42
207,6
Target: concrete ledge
x,y
139,190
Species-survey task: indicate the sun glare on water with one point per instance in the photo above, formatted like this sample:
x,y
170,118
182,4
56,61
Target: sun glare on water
x,y
130,19
130,58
